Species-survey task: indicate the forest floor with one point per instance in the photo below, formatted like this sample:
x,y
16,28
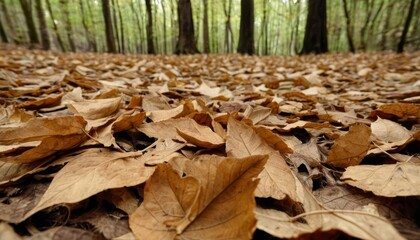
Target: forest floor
x,y
209,146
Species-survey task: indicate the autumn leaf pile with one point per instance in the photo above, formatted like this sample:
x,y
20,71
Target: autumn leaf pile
x,y
98,146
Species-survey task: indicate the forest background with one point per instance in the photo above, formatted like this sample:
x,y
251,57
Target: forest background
x,y
151,26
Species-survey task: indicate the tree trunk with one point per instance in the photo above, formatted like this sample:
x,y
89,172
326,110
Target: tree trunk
x,y
149,29
110,41
59,39
85,26
115,25
45,39
121,28
246,30
384,39
140,36
67,23
348,27
206,40
165,45
186,42
316,40
228,27
3,33
27,11
400,47
8,26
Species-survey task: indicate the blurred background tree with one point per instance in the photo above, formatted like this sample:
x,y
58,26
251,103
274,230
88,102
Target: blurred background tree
x,y
152,26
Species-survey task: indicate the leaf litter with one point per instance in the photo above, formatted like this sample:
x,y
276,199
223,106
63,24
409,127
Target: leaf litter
x,y
209,146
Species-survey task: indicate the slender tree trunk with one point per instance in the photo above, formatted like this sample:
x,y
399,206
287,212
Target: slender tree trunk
x,y
57,34
27,11
373,24
400,47
110,40
186,42
3,33
115,25
316,40
149,28
385,30
93,23
348,27
69,29
227,7
121,27
206,40
173,23
43,29
246,31
85,26
297,27
140,35
8,25
165,42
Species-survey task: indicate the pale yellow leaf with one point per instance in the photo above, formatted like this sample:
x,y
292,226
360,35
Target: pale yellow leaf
x,y
389,131
389,180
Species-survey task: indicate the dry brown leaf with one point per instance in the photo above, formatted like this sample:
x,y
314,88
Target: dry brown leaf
x,y
359,224
164,151
320,222
95,108
401,110
389,131
191,131
17,206
277,180
125,121
213,201
274,140
40,137
256,115
351,148
110,223
123,199
92,172
11,115
65,233
389,180
180,111
39,128
7,232
47,102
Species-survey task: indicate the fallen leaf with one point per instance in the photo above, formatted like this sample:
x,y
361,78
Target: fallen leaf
x,y
214,200
180,111
7,232
351,148
95,108
277,180
401,110
183,129
389,180
389,131
17,206
92,172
